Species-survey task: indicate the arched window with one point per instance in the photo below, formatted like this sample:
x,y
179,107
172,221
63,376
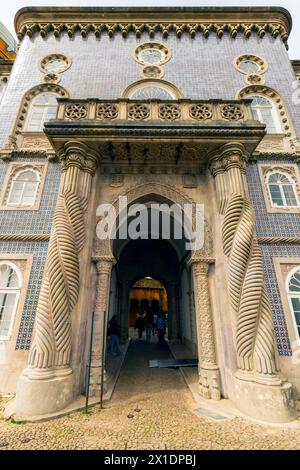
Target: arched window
x,y
43,107
152,92
282,190
264,111
24,188
293,290
10,285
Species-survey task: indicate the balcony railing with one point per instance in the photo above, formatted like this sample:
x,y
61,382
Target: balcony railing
x,y
172,111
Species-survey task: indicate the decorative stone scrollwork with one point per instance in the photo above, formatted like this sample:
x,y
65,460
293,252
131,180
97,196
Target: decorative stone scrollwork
x,y
248,297
107,111
201,112
169,112
50,354
75,112
231,112
254,328
138,111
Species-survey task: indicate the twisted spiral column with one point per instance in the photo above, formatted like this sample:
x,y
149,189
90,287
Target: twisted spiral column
x,y
51,350
248,297
104,267
209,378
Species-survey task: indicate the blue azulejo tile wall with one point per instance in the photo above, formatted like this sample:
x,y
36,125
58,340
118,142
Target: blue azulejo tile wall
x,y
29,222
39,252
280,327
269,224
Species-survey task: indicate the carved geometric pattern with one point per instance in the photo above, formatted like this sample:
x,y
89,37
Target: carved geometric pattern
x,y
201,112
169,112
232,112
233,27
138,111
76,112
106,111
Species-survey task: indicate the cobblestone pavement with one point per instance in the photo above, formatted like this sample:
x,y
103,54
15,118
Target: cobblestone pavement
x,y
150,409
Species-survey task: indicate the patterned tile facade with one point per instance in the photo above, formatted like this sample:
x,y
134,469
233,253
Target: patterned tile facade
x,y
30,222
268,225
103,68
39,251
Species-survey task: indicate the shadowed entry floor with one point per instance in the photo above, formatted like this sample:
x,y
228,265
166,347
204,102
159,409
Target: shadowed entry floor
x,y
137,381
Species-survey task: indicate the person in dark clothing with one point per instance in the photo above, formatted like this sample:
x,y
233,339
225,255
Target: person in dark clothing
x,y
140,325
114,333
161,327
149,318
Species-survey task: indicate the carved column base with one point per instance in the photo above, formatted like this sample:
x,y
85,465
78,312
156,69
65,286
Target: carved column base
x,y
262,402
263,379
37,397
95,376
209,383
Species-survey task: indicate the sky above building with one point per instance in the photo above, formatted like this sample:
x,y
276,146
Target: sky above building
x,y
9,8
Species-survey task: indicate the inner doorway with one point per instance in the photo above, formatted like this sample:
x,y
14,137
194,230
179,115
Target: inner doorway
x,y
147,297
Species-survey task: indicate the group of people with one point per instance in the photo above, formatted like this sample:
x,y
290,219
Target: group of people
x,y
153,324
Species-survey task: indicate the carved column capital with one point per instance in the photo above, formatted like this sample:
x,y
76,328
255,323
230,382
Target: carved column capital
x,y
79,155
216,166
200,265
104,264
229,156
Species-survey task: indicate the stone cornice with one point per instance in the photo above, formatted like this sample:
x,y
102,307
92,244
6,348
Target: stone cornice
x,y
206,20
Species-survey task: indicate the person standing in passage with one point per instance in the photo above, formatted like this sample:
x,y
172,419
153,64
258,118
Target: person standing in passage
x,y
154,329
114,333
161,327
149,325
140,324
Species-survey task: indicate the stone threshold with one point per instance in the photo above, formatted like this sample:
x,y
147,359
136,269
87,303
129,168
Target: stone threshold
x,y
223,407
114,365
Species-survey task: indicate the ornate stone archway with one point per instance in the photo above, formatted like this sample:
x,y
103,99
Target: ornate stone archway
x,y
199,261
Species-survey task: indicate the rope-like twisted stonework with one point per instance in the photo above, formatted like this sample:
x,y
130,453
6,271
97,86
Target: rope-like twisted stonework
x,y
254,329
28,237
60,289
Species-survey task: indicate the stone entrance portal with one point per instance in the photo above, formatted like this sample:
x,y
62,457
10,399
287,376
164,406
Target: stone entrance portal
x,y
217,301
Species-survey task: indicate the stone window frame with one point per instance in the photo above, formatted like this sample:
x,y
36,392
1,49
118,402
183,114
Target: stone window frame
x,y
13,170
292,171
55,55
151,45
282,110
260,61
23,263
169,87
26,102
283,268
